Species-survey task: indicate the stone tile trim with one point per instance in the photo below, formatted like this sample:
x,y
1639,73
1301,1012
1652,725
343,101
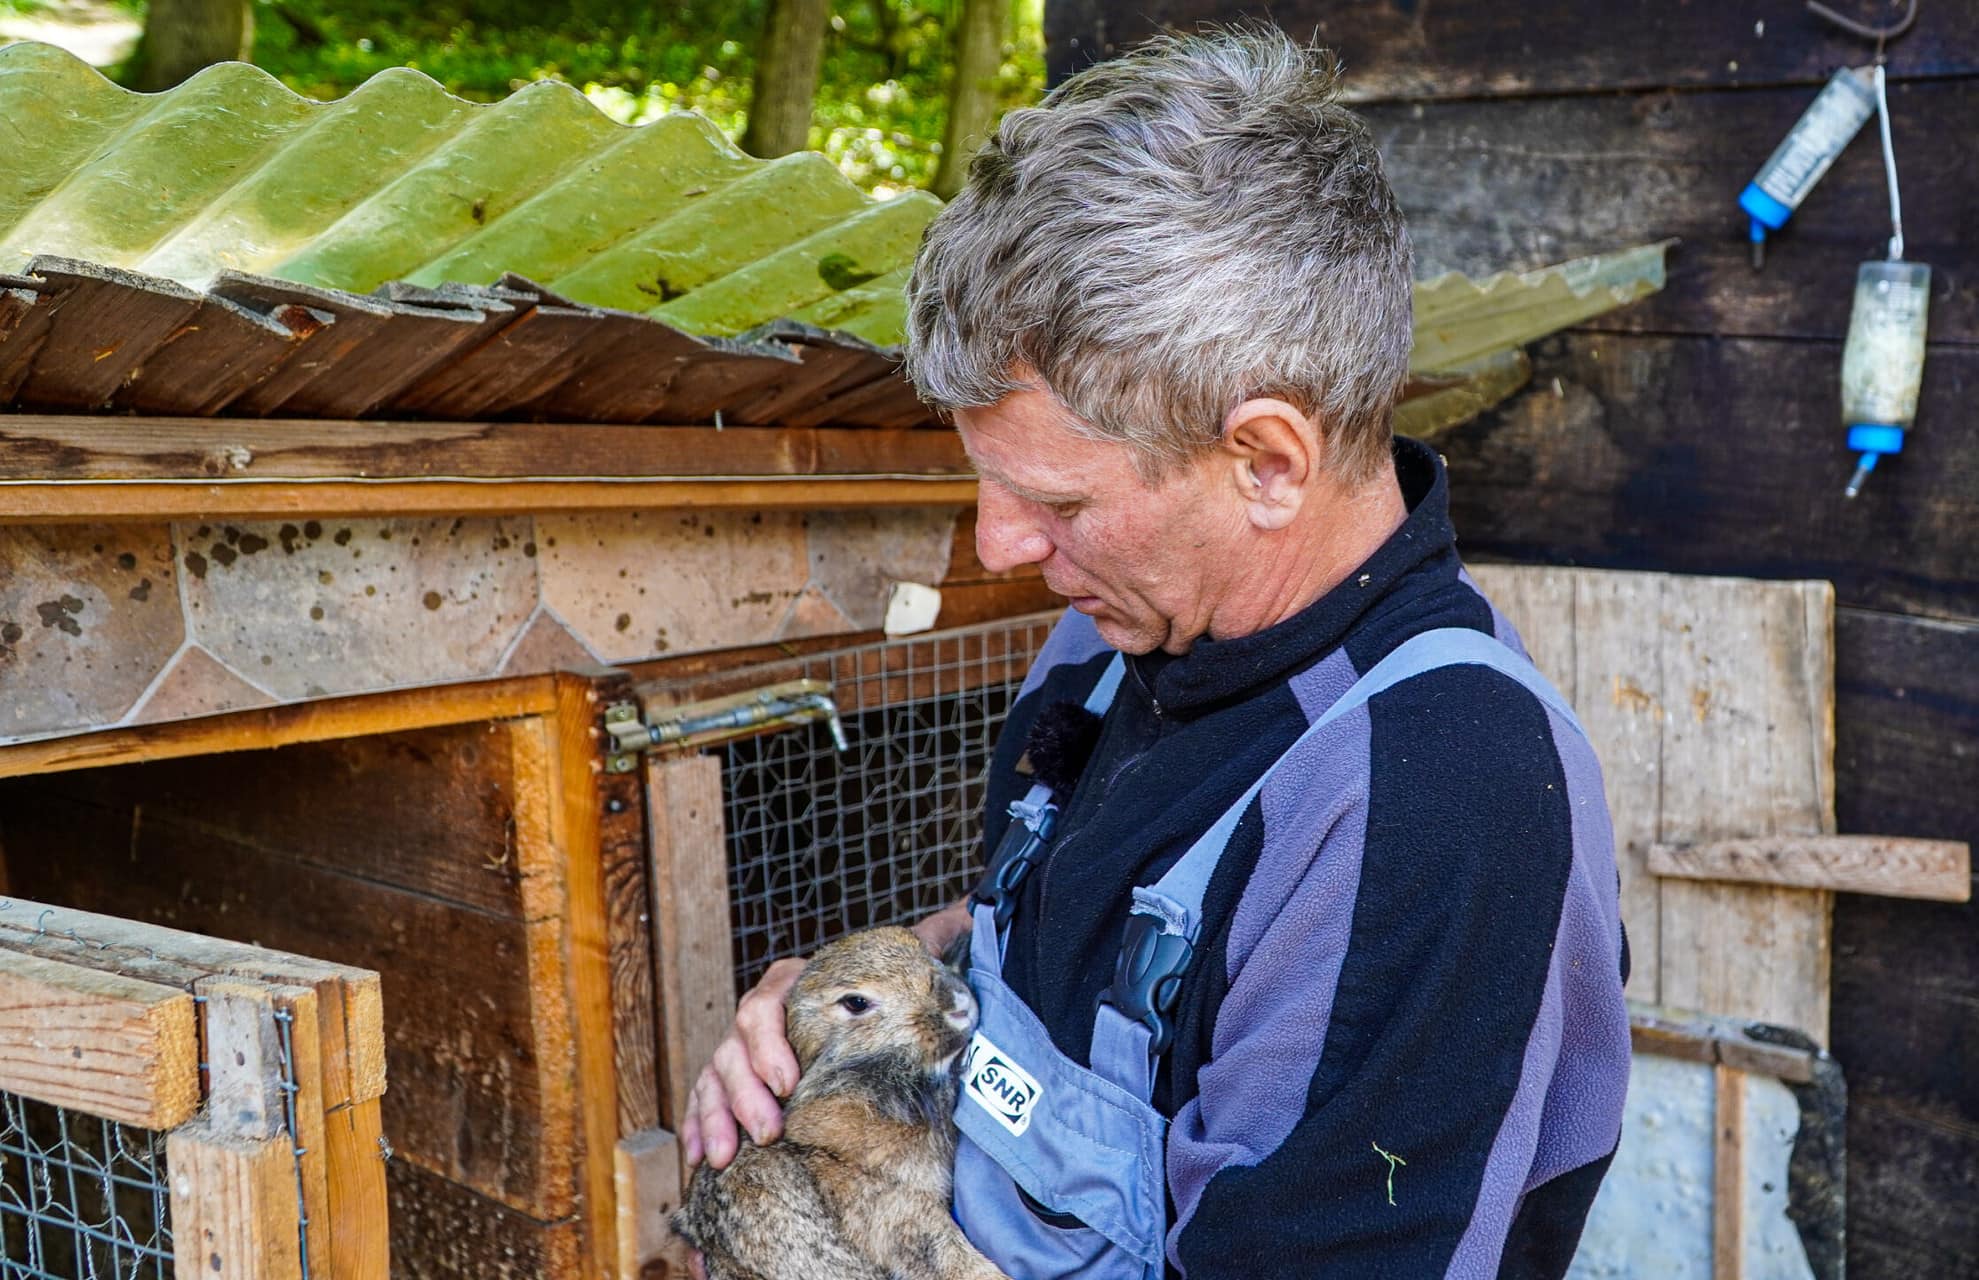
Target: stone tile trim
x,y
103,626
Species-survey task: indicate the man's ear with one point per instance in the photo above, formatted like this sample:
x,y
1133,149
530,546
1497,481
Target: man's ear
x,y
1274,453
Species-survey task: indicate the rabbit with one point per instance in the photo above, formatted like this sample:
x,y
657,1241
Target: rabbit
x,y
858,1186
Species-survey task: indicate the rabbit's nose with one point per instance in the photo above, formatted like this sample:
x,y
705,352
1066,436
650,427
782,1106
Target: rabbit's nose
x,y
962,1008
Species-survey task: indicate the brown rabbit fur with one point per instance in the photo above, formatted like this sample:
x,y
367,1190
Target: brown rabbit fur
x,y
858,1186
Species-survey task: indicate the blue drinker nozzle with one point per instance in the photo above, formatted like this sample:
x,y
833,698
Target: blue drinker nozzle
x,y
1766,214
1872,440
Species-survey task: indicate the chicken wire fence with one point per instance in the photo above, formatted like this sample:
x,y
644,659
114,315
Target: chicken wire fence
x,y
81,1197
822,843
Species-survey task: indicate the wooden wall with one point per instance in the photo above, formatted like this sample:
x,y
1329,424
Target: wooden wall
x,y
1699,431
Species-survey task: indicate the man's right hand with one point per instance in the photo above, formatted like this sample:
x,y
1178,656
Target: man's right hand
x,y
752,1068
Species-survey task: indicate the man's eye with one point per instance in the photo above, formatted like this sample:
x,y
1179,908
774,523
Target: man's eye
x,y
1066,510
855,1004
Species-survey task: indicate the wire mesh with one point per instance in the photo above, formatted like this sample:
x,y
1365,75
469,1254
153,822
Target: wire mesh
x,y
821,844
81,1197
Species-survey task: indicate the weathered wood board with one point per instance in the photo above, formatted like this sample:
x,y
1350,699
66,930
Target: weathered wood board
x,y
1710,702
117,1047
1476,49
696,974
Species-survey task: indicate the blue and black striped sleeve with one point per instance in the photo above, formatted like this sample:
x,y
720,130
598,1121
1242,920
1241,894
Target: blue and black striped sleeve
x,y
1422,1048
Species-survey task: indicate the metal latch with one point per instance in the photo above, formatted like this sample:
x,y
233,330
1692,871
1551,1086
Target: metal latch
x,y
738,715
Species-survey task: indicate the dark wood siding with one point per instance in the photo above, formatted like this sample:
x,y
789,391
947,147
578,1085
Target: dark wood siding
x,y
1700,432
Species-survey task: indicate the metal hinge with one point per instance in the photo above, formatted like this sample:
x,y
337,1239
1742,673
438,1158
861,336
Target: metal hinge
x,y
700,724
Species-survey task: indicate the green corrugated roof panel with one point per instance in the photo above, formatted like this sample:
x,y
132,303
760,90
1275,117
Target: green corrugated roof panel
x,y
402,181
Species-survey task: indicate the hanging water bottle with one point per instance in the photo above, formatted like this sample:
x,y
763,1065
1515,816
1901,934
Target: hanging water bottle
x,y
1883,360
1823,130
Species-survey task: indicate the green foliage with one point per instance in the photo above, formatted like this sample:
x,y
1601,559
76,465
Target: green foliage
x,y
881,103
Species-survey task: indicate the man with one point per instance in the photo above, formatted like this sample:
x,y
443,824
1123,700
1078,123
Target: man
x,y
1371,1023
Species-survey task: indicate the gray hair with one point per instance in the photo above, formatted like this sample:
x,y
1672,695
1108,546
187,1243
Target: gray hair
x,y
1192,225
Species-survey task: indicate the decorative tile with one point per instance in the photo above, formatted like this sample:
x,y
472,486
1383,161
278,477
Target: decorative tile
x,y
317,607
857,554
197,684
89,615
547,645
638,584
813,614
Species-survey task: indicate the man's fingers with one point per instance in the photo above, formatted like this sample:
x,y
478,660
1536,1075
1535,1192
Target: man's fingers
x,y
759,1020
744,1093
717,1138
690,1128
697,1264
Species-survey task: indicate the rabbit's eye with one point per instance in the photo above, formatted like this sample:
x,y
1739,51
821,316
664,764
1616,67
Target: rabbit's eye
x,y
855,1003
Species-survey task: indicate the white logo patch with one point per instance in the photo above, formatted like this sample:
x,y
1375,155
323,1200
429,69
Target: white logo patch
x,y
995,1082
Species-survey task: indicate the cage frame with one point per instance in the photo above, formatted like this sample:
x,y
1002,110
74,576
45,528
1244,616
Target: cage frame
x,y
262,1072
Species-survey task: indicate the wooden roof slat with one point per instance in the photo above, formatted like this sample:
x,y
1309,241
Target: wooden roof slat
x,y
24,309
254,347
220,351
103,323
380,347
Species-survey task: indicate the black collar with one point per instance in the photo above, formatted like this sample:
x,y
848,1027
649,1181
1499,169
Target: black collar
x,y
1419,554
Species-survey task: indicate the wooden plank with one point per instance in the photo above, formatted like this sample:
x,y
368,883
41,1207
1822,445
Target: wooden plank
x,y
85,447
621,804
1714,1041
350,1017
282,726
1743,752
1907,972
446,798
360,1242
1728,1175
696,967
1616,468
572,803
233,1205
1893,866
244,1095
1491,186
1467,48
68,501
1621,704
116,1047
221,351
647,1186
302,1063
103,325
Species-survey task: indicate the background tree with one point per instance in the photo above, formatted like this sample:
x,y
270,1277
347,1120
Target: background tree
x,y
973,97
787,67
183,36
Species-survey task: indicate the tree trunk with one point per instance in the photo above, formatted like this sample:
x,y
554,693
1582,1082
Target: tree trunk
x,y
972,100
786,77
183,36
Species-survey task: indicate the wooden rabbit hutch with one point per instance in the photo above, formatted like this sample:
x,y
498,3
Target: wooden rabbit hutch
x,y
221,738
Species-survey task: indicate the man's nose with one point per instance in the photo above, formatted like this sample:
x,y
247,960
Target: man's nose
x,y
1006,534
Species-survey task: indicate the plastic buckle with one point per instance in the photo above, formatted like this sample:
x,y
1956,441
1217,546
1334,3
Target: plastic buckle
x,y
1029,828
1147,978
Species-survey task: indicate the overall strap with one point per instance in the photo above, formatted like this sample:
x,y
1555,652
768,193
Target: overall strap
x,y
1032,821
1133,1026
